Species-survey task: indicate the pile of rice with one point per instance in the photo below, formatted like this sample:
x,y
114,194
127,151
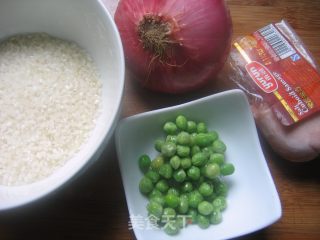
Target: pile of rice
x,y
50,96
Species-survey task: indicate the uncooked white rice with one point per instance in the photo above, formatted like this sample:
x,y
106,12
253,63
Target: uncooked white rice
x,y
50,96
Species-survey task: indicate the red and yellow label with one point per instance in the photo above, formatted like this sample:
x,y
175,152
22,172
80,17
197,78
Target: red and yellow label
x,y
262,76
285,79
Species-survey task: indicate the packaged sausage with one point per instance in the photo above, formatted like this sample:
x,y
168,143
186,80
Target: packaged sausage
x,y
282,82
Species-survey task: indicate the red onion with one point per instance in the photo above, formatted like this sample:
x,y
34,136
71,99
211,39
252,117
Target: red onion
x,y
174,46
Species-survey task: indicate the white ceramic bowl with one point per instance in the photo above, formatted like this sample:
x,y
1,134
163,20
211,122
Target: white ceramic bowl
x,y
253,202
89,24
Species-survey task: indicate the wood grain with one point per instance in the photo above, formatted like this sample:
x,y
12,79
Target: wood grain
x,y
94,207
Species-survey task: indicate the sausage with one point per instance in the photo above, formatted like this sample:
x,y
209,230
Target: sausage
x,y
298,142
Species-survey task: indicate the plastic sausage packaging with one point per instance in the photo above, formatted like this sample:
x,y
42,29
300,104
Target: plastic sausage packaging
x,y
282,82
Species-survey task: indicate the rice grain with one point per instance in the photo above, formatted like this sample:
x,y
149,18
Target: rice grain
x,y
50,95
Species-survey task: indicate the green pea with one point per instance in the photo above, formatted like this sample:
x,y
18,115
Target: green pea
x,y
166,171
203,139
227,169
217,158
155,209
172,200
171,138
195,149
193,215
183,205
191,161
185,163
216,217
212,170
155,193
205,208
191,127
202,127
144,162
219,203
168,213
179,175
192,139
219,146
199,159
193,173
171,228
158,199
168,149
183,138
157,163
206,189
187,187
183,151
158,144
153,176
181,122
175,162
203,221
194,199
145,185
214,135
162,186
173,191
207,151
221,188
170,128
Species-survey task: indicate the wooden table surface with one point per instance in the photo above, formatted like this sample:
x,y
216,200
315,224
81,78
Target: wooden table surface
x,y
94,207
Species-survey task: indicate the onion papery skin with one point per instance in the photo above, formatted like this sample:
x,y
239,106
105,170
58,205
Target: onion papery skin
x,y
198,42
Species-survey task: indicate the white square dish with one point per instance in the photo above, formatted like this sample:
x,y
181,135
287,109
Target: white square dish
x,y
253,201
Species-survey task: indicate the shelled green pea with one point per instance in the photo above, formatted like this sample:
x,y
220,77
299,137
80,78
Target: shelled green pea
x,y
185,178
